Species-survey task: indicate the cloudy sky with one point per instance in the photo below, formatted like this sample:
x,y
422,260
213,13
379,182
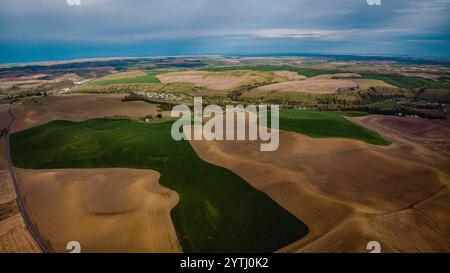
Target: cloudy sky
x,y
52,29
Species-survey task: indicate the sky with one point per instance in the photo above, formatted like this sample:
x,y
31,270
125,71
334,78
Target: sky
x,y
38,30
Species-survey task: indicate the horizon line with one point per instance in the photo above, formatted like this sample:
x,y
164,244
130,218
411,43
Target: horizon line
x,y
51,62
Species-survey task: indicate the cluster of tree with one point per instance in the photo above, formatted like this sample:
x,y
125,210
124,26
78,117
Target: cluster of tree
x,y
402,111
174,88
363,97
162,105
387,101
18,96
236,93
134,97
433,95
342,99
40,90
379,94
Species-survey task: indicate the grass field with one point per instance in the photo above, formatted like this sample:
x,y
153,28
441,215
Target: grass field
x,y
327,124
148,78
218,211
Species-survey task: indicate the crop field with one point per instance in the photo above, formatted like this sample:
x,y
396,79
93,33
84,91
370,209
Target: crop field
x,y
365,84
407,82
314,86
348,192
327,124
119,208
363,156
79,107
218,211
392,79
224,132
308,72
127,78
221,80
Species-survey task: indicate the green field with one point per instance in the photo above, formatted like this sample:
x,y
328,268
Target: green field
x,y
149,78
218,210
327,124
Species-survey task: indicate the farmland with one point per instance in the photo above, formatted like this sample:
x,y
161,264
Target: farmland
x,y
218,211
95,160
127,78
110,202
327,124
348,192
224,80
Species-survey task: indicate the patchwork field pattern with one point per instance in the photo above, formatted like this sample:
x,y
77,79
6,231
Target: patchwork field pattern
x,y
218,211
